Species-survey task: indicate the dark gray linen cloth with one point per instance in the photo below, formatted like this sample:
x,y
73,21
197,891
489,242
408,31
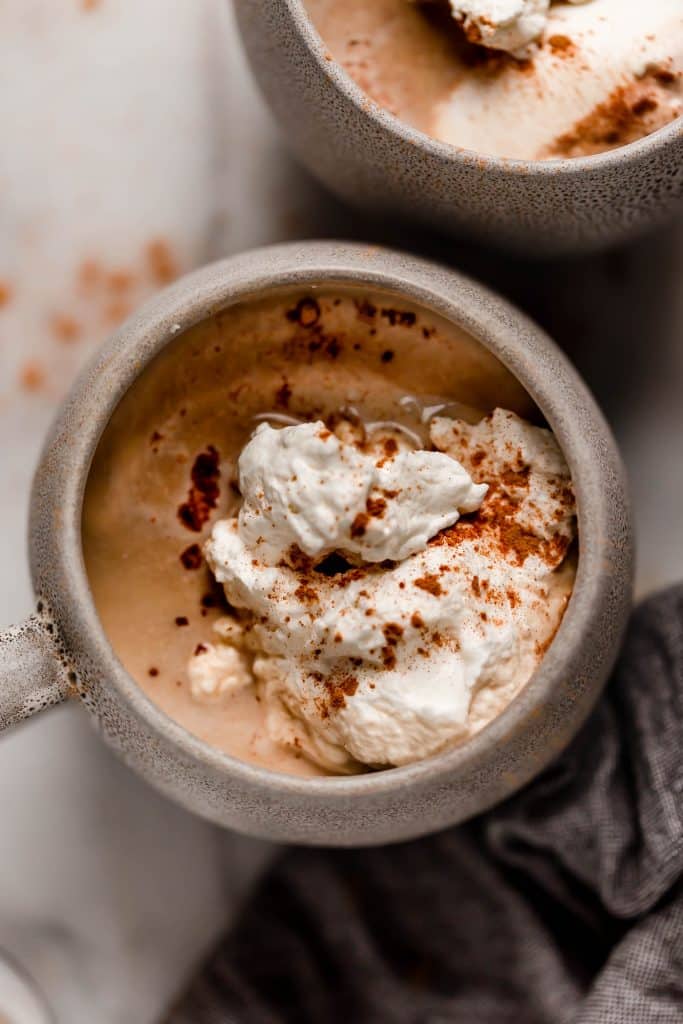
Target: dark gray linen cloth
x,y
565,904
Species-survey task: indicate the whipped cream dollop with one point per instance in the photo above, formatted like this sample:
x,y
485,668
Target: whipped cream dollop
x,y
514,26
377,623
302,485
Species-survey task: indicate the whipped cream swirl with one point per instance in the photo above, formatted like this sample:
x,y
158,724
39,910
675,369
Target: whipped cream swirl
x,y
377,626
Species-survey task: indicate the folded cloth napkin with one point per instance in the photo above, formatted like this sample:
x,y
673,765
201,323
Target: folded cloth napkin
x,y
565,904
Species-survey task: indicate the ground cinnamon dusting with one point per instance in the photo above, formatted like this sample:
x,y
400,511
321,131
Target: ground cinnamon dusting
x,y
430,584
161,261
360,524
306,312
32,376
376,507
393,632
562,45
64,327
629,113
204,492
191,557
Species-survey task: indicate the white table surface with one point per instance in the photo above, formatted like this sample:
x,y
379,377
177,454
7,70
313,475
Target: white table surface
x,y
124,123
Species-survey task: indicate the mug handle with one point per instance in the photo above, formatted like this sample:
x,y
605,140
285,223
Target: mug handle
x,y
33,675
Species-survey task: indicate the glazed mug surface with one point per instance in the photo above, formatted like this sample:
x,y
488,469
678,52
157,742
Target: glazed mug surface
x,y
62,651
374,161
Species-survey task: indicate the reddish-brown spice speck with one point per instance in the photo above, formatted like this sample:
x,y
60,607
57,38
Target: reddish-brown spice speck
x,y
416,621
338,690
387,356
32,376
398,316
366,310
119,281
161,261
390,446
304,592
191,557
5,294
388,657
360,524
476,586
201,649
392,633
376,507
153,672
65,327
662,74
182,620
430,583
306,312
561,45
204,492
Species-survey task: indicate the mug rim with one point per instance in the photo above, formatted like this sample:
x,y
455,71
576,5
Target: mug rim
x,y
542,369
567,167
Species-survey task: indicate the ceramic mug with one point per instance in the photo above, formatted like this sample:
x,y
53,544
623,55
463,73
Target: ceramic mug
x,y
62,651
370,158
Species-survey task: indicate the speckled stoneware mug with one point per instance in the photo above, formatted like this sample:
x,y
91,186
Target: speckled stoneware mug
x,y
373,160
62,651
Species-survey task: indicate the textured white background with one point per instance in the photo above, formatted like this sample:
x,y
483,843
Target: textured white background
x,y
122,124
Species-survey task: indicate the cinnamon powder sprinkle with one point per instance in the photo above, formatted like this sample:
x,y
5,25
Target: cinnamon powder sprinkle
x,y
32,376
64,327
629,113
191,557
306,312
304,592
360,524
204,492
376,507
388,657
392,633
339,690
429,583
161,261
562,45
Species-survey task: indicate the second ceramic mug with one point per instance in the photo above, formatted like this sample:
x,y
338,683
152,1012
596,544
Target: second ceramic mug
x,y
62,651
373,160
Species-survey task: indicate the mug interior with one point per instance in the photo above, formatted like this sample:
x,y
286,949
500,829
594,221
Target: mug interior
x,y
567,167
293,353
